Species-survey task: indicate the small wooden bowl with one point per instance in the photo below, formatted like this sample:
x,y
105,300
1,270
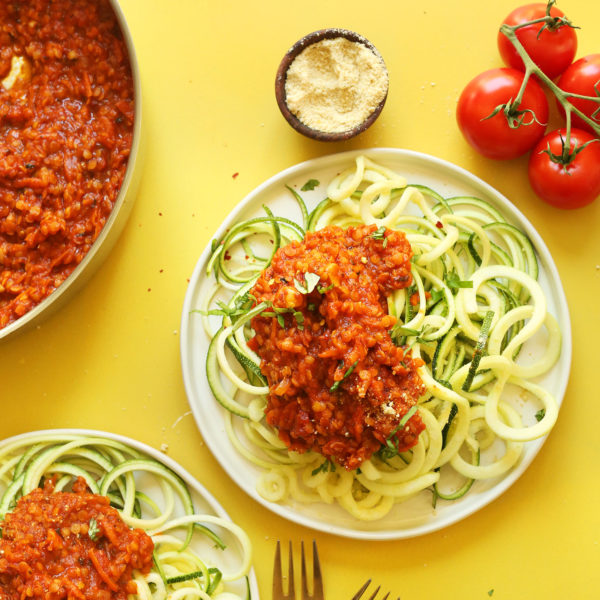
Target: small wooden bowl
x,y
280,79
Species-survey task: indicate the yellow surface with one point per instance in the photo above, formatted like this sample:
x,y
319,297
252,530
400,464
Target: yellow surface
x,y
110,358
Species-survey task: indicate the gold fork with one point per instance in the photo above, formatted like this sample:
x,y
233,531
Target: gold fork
x,y
278,592
362,590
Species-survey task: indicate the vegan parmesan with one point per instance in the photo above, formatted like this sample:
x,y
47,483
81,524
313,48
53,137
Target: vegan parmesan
x,y
335,84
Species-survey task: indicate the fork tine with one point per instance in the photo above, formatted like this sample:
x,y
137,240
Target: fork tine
x,y
317,575
375,593
360,592
363,589
277,575
304,577
291,589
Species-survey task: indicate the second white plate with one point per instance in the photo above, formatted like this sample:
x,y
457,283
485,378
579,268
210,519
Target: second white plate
x,y
204,502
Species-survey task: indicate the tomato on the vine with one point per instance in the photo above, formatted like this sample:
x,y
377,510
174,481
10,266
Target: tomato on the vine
x,y
552,50
583,78
493,136
566,181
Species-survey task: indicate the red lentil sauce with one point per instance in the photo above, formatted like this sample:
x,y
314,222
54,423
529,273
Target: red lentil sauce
x,y
338,384
66,127
47,550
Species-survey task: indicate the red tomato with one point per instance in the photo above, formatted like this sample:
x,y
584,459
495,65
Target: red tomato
x,y
569,185
552,51
494,137
580,78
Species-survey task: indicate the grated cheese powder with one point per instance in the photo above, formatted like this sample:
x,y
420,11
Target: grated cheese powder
x,y
333,85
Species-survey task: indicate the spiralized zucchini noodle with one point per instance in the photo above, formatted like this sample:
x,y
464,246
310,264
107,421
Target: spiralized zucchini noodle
x,y
478,304
148,496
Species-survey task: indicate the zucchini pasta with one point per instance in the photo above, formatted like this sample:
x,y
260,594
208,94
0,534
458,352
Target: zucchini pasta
x,y
194,555
467,318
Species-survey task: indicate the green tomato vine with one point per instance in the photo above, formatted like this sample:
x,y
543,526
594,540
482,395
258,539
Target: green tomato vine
x,y
510,109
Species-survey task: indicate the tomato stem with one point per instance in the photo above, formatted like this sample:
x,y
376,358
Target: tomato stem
x,y
567,154
531,68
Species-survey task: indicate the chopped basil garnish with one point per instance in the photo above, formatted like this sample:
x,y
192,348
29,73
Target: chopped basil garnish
x,y
241,306
380,235
436,295
309,283
311,184
93,530
453,281
351,368
322,289
391,449
325,467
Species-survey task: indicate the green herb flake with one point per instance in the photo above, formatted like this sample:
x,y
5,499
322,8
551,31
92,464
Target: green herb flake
x,y
299,319
379,234
93,529
398,333
310,185
322,289
241,306
309,284
336,385
390,449
540,414
405,418
325,467
490,593
453,281
436,295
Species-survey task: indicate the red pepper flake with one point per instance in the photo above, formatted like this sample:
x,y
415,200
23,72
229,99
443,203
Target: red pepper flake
x,y
160,214
149,289
160,270
235,175
227,256
414,299
439,225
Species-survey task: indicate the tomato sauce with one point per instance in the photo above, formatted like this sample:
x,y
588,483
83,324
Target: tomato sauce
x,y
66,127
338,384
69,545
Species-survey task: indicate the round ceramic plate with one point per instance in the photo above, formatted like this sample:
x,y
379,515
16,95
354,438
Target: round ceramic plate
x,y
204,502
415,516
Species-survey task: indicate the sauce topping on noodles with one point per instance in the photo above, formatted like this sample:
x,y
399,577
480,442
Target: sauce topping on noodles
x,y
69,545
338,384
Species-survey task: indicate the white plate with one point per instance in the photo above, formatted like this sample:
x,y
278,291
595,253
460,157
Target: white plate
x,y
204,502
416,516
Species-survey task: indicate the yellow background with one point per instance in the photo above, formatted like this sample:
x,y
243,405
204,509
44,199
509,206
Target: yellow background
x,y
110,358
